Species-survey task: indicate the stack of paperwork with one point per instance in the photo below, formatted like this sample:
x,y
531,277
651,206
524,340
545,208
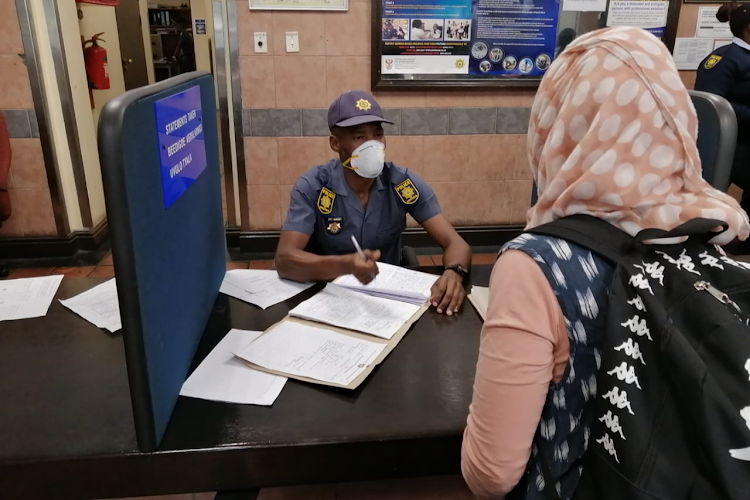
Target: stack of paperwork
x,y
395,283
98,305
27,297
480,299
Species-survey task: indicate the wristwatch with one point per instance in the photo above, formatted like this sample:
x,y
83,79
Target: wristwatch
x,y
458,269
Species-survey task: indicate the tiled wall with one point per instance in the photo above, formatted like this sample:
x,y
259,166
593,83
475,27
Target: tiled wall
x,y
470,146
27,182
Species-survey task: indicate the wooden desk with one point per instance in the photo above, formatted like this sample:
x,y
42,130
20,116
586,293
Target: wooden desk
x,y
66,427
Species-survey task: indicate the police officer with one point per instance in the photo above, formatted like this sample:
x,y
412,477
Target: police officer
x,y
361,195
726,72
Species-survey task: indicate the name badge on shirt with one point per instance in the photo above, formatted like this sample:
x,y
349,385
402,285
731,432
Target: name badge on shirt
x,y
325,201
334,225
407,191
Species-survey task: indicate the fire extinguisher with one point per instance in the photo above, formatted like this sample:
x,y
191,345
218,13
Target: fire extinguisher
x,y
95,58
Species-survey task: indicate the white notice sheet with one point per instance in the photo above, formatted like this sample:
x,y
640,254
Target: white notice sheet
x,y
98,305
710,27
27,297
584,5
395,283
689,52
311,352
260,287
223,377
638,13
356,311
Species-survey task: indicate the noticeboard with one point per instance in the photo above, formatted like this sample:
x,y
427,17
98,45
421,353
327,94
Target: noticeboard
x,y
426,44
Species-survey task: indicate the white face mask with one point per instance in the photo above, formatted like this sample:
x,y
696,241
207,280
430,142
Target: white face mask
x,y
368,159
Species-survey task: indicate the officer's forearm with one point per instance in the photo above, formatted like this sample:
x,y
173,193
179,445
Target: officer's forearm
x,y
457,252
298,265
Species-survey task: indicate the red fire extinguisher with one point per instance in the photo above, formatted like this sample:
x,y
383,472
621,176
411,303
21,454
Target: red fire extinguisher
x,y
95,58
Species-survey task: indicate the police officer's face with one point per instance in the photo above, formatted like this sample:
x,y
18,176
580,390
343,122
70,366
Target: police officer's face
x,y
345,140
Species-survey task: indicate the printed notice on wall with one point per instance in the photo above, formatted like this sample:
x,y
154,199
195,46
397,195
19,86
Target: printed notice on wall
x,y
647,14
710,27
584,5
689,52
182,149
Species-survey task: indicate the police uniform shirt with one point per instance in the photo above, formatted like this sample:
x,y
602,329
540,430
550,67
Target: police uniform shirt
x,y
325,207
726,72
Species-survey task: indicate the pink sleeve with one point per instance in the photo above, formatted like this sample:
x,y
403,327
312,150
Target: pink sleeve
x,y
523,348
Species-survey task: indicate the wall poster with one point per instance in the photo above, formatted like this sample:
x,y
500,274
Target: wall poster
x,y
485,43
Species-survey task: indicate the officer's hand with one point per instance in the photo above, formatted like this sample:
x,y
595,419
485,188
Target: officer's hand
x,y
365,269
448,293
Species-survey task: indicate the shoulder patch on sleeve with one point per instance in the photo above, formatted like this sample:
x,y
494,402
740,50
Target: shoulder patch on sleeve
x,y
407,191
712,61
325,200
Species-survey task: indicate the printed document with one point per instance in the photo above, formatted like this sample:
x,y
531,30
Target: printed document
x,y
98,306
480,298
223,377
260,287
311,352
395,283
27,297
345,308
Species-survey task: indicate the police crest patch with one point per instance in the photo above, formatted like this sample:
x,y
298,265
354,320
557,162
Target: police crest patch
x,y
407,191
712,61
325,201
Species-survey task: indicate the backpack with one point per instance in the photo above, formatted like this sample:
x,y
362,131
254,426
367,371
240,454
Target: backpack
x,y
672,415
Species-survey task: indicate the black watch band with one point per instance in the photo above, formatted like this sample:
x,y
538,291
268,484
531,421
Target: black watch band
x,y
458,268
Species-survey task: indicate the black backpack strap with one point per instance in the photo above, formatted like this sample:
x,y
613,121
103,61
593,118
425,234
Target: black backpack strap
x,y
597,235
693,227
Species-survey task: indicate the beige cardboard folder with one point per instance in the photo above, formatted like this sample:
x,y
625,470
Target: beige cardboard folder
x,y
389,346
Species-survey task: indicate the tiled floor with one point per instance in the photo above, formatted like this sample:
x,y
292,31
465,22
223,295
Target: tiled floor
x,y
105,269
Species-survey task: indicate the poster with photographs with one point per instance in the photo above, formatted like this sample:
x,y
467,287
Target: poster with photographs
x,y
476,38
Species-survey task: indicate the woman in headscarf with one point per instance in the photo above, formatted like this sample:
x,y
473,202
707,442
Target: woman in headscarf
x,y
612,135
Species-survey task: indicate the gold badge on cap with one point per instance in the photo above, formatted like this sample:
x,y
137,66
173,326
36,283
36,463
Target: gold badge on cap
x,y
334,225
407,191
325,201
712,61
363,104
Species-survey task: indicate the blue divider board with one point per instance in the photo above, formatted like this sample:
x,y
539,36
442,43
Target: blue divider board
x,y
169,262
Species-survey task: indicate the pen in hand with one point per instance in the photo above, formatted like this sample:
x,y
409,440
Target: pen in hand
x,y
359,248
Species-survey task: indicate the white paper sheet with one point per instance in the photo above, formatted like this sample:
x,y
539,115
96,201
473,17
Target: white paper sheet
x,y
260,287
584,5
223,377
638,13
395,283
710,27
98,305
689,52
27,297
312,352
345,308
721,43
480,299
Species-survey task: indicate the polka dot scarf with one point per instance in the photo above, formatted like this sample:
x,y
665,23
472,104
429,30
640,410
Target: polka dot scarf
x,y
612,135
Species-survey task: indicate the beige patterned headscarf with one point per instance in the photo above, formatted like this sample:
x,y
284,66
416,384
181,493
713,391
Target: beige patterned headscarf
x,y
612,135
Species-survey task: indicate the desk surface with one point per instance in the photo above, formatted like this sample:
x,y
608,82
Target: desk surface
x,y
66,424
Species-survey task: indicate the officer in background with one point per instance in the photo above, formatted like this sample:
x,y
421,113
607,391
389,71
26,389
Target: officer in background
x,y
726,72
361,195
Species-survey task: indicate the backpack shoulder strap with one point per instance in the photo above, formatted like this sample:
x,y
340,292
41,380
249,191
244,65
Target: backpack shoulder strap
x,y
597,235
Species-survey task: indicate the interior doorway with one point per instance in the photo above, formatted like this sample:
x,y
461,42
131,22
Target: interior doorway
x,y
132,47
171,38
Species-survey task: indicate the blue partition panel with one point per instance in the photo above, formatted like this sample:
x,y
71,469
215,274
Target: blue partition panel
x,y
160,162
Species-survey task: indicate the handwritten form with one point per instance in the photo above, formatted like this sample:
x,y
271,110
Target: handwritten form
x,y
312,352
345,308
27,297
260,287
98,305
395,283
223,377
